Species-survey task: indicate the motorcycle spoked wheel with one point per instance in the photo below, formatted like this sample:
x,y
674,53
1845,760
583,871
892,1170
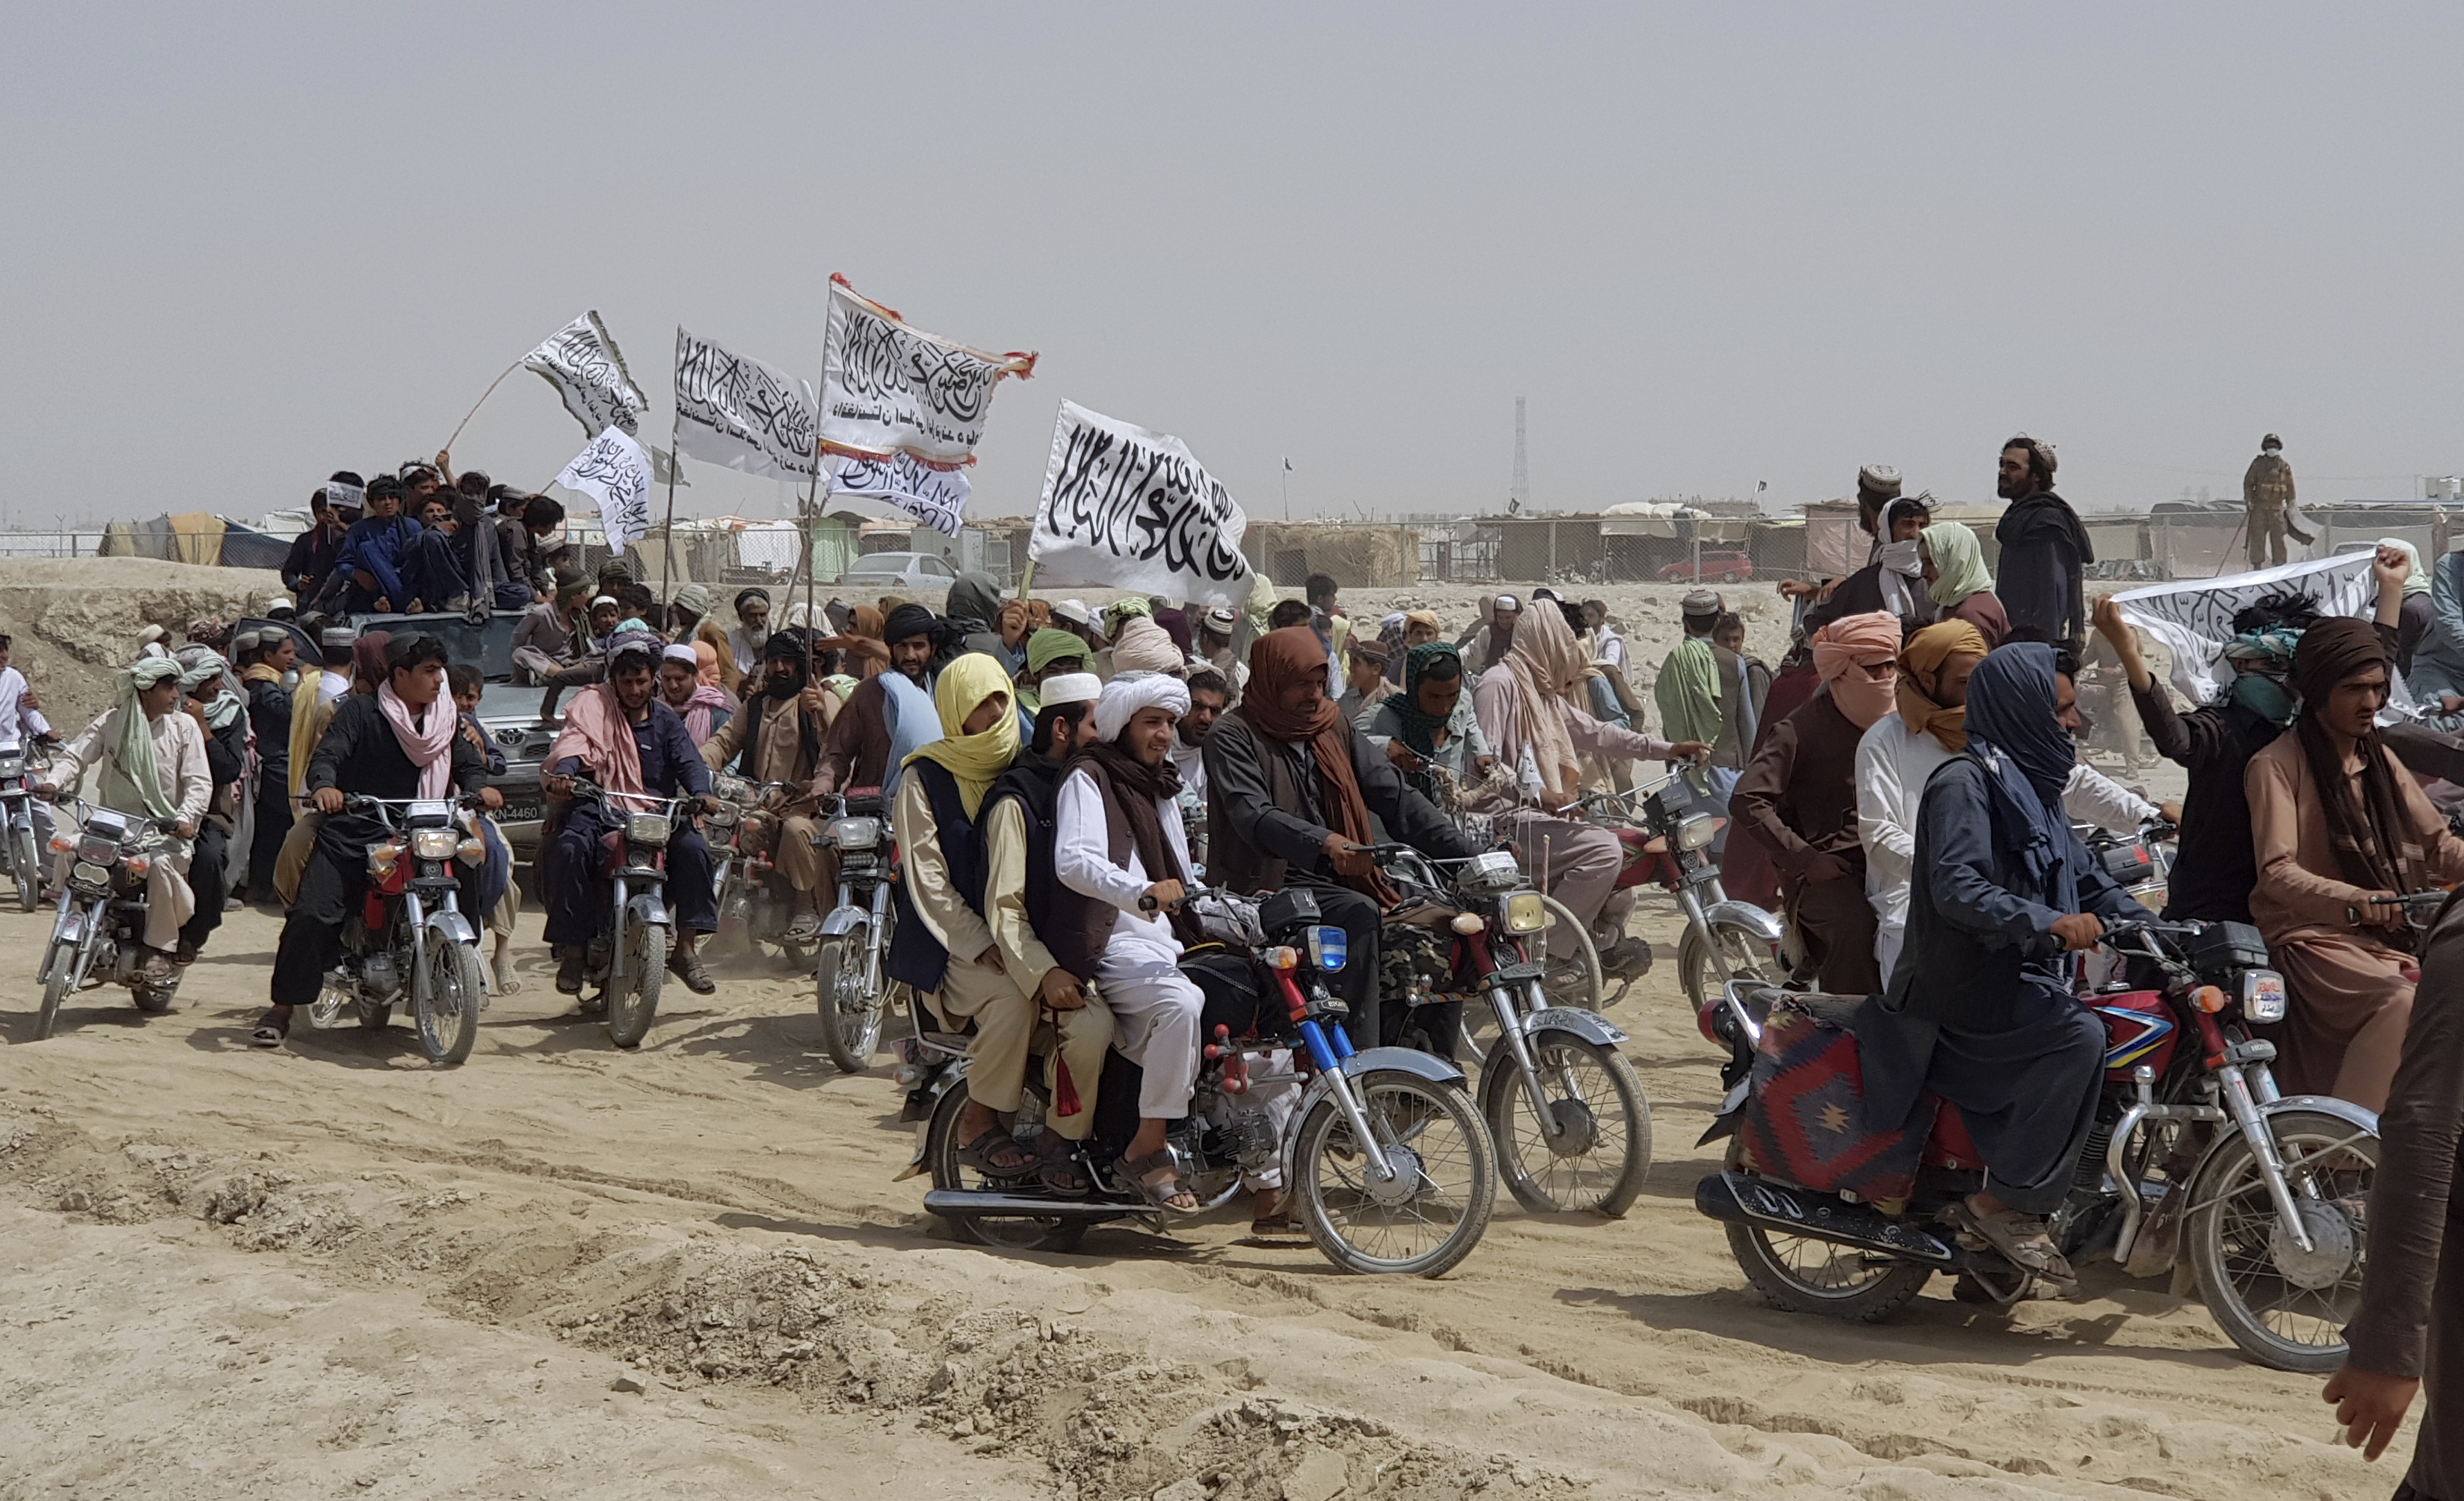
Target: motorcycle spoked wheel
x,y
28,867
850,1018
941,1156
1586,991
2286,1308
1432,1214
55,989
1603,1151
634,1002
1798,1274
1745,957
446,1006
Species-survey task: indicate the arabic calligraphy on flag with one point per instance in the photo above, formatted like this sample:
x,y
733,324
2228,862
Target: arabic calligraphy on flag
x,y
936,497
615,472
737,412
889,388
582,360
1129,509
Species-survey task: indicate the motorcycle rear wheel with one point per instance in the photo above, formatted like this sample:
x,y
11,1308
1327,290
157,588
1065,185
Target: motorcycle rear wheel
x,y
446,1008
634,1002
1613,1114
941,1158
1798,1274
2232,1240
54,989
1745,957
28,868
1450,1156
850,1018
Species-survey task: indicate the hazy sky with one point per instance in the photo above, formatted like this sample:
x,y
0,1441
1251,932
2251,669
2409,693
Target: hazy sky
x,y
246,245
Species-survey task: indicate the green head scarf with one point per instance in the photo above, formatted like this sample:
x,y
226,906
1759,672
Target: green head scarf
x,y
1049,645
131,781
1958,560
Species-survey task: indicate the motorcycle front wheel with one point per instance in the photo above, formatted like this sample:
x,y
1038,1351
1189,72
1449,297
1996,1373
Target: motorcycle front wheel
x,y
55,989
851,1010
1743,956
446,1007
29,868
1602,1149
941,1156
2286,1307
1425,1219
634,1002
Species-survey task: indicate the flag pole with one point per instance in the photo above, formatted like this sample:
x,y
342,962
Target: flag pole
x,y
667,536
481,401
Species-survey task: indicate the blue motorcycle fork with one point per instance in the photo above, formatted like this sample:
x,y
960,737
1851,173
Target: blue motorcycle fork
x,y
1328,1053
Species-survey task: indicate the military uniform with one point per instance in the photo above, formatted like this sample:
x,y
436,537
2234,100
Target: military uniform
x,y
2267,494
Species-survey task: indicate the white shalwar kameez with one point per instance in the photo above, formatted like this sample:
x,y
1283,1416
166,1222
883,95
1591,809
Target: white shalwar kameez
x,y
1154,1006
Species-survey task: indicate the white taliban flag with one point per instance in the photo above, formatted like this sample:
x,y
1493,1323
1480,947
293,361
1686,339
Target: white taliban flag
x,y
2194,619
583,362
936,497
1128,509
615,472
887,389
738,412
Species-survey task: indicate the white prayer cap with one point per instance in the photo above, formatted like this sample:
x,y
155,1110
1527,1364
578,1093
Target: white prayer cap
x,y
1074,611
279,602
1131,691
1070,688
603,599
681,654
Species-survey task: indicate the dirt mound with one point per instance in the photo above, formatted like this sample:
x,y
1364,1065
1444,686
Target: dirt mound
x,y
75,619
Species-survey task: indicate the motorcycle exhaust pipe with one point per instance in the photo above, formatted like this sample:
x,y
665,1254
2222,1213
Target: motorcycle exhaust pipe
x,y
965,1204
1737,1200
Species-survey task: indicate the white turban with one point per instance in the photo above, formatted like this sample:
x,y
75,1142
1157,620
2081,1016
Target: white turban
x,y
1131,691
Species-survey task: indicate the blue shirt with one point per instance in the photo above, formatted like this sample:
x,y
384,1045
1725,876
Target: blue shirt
x,y
378,547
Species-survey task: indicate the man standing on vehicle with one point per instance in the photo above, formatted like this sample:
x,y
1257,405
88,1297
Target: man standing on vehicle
x,y
2267,505
1289,788
778,737
1980,1009
624,739
397,742
149,761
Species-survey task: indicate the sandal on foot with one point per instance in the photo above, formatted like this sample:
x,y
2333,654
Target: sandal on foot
x,y
271,1029
1162,1191
507,982
687,967
568,973
978,1154
1056,1167
2020,1238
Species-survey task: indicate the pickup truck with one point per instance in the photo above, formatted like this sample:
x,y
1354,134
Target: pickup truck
x,y
510,713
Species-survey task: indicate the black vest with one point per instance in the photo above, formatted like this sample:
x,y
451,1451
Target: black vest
x,y
1073,927
917,956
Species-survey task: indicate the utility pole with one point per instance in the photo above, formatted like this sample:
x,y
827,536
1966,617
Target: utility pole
x,y
1521,490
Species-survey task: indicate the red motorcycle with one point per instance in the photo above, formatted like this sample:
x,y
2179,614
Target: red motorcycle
x,y
1667,843
2193,1155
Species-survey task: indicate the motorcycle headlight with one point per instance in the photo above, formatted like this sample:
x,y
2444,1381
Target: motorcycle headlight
x,y
2262,995
101,852
12,766
383,857
433,844
1327,948
1696,833
647,829
853,833
1526,912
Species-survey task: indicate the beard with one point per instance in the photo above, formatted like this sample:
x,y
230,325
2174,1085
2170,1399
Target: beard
x,y
2010,490
787,687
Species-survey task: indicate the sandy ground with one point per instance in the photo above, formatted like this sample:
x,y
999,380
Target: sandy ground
x,y
559,1271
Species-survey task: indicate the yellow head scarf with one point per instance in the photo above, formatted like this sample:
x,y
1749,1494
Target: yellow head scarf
x,y
974,760
1926,653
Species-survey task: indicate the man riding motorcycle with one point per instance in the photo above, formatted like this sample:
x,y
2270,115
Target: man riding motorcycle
x,y
624,739
1980,1009
1289,788
397,742
779,738
150,763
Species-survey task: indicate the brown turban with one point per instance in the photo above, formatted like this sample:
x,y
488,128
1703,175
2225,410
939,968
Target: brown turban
x,y
2377,843
1277,660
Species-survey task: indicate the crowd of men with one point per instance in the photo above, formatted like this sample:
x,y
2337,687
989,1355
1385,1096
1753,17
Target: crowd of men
x,y
1906,781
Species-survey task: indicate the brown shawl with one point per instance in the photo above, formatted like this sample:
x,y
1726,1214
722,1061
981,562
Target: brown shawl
x,y
2377,847
1276,660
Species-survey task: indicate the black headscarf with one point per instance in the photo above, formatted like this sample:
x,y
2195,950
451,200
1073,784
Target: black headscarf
x,y
2028,757
911,620
2377,846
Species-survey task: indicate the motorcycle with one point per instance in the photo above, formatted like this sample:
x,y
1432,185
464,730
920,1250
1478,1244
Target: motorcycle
x,y
2194,1156
754,902
1667,842
849,981
1383,1153
1564,1107
17,802
411,930
2141,864
99,925
628,963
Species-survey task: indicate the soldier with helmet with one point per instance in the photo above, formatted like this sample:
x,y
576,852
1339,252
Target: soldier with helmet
x,y
2267,499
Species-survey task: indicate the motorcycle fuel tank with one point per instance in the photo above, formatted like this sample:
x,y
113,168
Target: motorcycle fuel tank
x,y
2139,1029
